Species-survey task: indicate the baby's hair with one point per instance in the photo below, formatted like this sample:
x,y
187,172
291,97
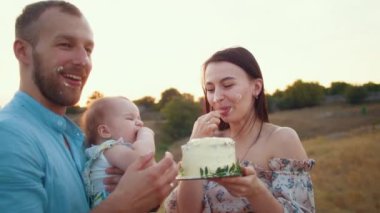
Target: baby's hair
x,y
94,116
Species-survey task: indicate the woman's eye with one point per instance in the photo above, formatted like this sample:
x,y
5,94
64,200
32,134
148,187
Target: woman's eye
x,y
228,85
210,89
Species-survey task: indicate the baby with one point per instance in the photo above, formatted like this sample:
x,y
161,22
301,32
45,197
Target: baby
x,y
115,138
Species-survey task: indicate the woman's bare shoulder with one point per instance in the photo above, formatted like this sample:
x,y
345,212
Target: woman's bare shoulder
x,y
284,142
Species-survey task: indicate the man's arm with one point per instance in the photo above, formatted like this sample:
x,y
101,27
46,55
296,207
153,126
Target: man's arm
x,y
21,174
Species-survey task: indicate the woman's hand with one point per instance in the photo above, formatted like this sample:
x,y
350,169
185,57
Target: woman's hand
x,y
206,125
249,185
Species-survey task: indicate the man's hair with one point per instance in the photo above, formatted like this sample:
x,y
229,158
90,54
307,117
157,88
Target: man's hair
x,y
25,28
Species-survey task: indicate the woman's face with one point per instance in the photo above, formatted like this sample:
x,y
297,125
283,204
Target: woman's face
x,y
229,90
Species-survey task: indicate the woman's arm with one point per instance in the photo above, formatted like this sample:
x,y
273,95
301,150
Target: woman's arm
x,y
190,193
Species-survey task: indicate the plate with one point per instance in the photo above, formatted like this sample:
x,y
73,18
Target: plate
x,y
204,178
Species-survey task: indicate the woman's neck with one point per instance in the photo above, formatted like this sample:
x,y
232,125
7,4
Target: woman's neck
x,y
246,130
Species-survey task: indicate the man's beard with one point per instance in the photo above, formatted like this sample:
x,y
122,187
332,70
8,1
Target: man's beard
x,y
49,87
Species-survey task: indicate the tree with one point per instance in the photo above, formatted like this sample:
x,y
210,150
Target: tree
x,y
274,101
167,96
180,114
302,94
146,102
372,87
338,88
356,94
95,95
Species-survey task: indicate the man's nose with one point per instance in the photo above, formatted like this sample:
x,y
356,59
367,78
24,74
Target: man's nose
x,y
82,57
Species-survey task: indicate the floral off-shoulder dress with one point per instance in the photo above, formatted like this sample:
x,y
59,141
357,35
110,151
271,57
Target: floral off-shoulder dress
x,y
288,180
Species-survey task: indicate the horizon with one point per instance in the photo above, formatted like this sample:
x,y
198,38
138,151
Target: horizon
x,y
144,48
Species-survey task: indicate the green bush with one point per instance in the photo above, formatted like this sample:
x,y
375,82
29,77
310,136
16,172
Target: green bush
x,y
300,94
180,114
356,94
338,88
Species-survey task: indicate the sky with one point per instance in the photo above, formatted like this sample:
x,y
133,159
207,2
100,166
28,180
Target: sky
x,y
144,47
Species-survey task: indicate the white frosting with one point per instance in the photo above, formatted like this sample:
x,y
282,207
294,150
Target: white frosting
x,y
210,152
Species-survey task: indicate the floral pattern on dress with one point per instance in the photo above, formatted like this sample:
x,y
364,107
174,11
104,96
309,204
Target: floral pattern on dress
x,y
288,180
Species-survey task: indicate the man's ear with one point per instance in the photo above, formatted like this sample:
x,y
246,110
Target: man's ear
x,y
257,87
22,51
104,131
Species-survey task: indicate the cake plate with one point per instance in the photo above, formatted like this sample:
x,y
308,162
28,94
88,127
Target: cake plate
x,y
205,178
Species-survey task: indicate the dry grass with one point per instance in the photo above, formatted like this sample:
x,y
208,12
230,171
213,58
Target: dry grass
x,y
347,175
328,119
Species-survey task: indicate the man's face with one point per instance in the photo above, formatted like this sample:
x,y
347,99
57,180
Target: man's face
x,y
62,57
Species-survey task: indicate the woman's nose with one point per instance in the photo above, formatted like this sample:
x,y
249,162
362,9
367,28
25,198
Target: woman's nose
x,y
218,96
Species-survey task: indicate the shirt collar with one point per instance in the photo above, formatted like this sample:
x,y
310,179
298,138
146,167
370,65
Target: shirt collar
x,y
58,123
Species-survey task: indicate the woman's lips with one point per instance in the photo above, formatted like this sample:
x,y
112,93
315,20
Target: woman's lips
x,y
224,111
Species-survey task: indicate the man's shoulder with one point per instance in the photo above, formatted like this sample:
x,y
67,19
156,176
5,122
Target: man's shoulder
x,y
16,128
11,120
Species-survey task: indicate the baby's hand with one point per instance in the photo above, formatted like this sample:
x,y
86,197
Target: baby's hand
x,y
144,132
145,141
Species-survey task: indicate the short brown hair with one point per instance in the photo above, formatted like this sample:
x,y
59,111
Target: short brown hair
x,y
31,13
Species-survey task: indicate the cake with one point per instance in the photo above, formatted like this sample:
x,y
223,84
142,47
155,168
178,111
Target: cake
x,y
209,157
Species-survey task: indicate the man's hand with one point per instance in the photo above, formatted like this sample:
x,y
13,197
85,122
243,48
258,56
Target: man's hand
x,y
142,187
111,182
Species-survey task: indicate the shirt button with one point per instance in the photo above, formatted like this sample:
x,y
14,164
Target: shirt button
x,y
60,123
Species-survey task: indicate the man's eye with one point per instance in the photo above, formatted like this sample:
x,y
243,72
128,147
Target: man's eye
x,y
89,51
65,45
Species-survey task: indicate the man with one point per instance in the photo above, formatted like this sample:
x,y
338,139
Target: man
x,y
41,154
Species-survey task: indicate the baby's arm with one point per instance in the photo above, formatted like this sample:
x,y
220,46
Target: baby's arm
x,y
121,156
144,143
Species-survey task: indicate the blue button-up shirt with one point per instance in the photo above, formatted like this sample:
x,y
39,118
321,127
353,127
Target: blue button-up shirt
x,y
38,172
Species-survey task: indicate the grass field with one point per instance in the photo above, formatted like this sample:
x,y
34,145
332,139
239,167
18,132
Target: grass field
x,y
347,174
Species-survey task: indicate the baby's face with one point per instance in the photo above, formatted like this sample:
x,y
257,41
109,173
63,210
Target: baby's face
x,y
124,120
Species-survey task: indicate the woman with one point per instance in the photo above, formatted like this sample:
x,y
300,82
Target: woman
x,y
274,163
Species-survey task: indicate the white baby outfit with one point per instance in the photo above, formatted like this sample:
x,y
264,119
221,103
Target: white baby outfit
x,y
94,171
